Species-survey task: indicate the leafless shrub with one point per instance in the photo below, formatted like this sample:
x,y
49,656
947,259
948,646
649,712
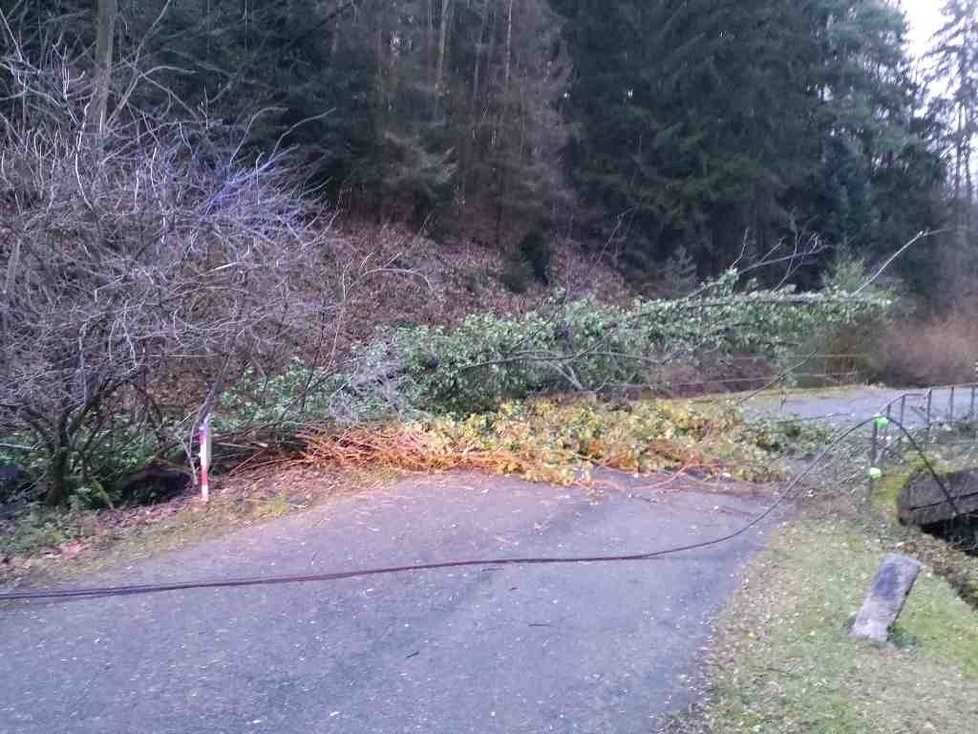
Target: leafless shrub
x,y
940,351
141,251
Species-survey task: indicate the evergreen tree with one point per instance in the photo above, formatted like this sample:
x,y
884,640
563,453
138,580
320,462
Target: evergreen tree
x,y
685,126
956,57
955,74
711,120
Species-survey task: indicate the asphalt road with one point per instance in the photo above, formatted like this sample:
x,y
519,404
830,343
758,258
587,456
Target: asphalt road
x,y
848,405
581,648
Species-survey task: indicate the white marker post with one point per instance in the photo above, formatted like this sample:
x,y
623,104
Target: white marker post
x,y
204,438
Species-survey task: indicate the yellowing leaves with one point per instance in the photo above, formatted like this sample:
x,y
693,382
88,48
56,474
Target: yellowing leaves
x,y
561,441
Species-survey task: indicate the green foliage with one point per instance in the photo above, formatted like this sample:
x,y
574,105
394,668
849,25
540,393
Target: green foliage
x,y
564,442
955,75
708,121
678,274
283,403
277,407
96,459
124,448
375,99
693,123
698,131
584,345
569,346
846,273
793,438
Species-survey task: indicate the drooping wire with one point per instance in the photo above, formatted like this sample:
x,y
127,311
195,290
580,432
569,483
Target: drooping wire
x,y
915,445
786,493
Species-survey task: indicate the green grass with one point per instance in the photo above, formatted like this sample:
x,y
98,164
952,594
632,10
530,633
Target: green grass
x,y
784,662
887,490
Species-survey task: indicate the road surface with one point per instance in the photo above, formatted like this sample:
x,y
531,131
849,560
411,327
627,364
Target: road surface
x,y
581,648
852,404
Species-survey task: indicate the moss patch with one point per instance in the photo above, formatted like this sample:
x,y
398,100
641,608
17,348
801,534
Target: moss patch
x,y
887,491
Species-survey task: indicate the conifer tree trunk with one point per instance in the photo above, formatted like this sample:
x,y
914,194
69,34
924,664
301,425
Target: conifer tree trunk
x,y
477,71
509,43
442,43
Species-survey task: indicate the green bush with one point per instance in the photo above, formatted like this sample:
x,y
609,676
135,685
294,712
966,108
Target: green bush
x,y
281,403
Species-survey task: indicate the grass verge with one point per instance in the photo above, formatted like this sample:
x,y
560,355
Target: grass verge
x,y
783,661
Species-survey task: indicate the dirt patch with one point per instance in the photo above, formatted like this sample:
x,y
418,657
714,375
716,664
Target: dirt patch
x,y
403,278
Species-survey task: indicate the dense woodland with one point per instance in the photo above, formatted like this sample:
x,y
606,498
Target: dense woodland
x,y
687,134
172,172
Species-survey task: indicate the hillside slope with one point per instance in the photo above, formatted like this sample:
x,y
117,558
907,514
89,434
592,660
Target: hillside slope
x,y
395,277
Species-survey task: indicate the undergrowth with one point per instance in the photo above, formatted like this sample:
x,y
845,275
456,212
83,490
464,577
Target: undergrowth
x,y
579,346
41,528
557,440
563,441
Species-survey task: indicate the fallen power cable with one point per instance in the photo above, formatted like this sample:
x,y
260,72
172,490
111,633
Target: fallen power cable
x,y
130,590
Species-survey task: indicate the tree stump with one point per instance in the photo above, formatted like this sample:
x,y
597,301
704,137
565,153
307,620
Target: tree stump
x,y
886,598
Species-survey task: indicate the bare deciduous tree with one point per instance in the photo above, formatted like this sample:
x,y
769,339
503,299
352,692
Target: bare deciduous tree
x,y
155,253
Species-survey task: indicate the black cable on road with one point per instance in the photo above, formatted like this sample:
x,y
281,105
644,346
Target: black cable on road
x,y
134,589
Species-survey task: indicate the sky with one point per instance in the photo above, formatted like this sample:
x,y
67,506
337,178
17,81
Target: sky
x,y
925,19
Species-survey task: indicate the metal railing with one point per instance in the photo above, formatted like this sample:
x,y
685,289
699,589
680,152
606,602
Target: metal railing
x,y
923,412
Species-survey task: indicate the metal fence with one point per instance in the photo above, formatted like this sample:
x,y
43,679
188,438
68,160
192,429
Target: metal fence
x,y
942,414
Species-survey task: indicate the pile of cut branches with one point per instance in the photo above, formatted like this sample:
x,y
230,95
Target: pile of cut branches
x,y
561,442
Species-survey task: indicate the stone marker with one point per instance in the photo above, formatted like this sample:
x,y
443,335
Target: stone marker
x,y
886,598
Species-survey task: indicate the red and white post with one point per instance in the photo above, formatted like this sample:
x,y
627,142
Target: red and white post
x,y
204,439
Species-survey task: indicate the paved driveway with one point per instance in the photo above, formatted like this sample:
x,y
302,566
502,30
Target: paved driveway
x,y
581,648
